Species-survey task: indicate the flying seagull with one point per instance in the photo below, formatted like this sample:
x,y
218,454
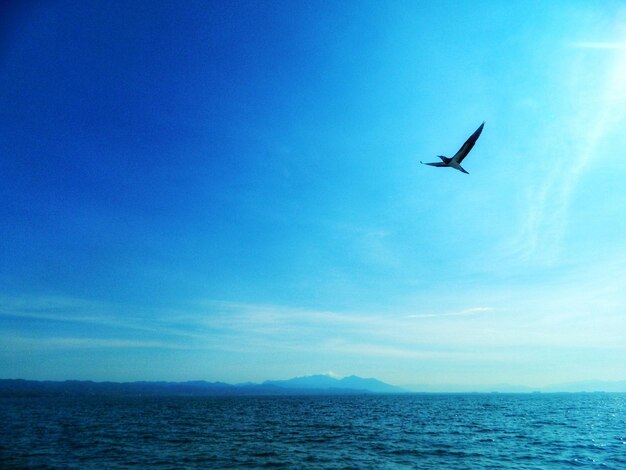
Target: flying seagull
x,y
455,162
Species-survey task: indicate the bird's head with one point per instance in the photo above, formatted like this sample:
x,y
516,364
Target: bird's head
x,y
444,158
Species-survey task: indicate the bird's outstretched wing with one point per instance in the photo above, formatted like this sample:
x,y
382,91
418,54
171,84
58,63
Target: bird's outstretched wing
x,y
468,145
434,164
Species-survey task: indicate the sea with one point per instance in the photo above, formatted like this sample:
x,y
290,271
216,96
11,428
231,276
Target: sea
x,y
422,431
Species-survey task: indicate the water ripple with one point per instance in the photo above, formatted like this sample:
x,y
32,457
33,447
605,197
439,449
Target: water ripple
x,y
412,431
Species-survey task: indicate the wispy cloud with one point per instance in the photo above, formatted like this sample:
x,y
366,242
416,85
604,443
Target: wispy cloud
x,y
593,109
21,343
597,45
363,349
69,310
459,313
555,316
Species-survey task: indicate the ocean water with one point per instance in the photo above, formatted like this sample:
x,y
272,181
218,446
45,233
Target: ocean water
x,y
410,431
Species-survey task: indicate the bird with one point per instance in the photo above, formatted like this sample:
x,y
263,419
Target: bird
x,y
455,162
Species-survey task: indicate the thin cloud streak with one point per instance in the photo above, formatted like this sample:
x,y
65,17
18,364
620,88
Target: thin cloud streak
x,y
544,226
597,45
33,344
550,316
460,313
73,310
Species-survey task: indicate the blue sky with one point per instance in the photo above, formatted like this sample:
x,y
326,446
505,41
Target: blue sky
x,y
232,191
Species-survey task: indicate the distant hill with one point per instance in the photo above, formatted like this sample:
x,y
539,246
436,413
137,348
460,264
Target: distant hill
x,y
311,385
573,387
457,388
307,385
353,382
588,386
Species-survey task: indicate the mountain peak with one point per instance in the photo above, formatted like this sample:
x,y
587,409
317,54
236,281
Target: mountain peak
x,y
320,381
306,385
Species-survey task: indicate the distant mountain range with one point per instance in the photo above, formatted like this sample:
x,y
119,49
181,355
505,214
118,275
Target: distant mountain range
x,y
459,388
589,386
570,387
325,382
309,385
